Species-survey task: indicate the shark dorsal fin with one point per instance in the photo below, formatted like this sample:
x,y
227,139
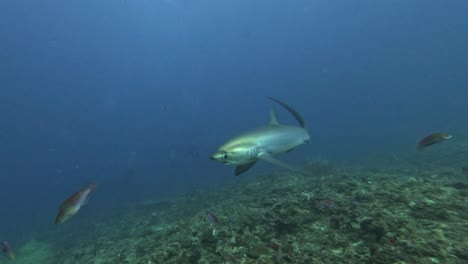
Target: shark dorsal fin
x,y
273,117
291,110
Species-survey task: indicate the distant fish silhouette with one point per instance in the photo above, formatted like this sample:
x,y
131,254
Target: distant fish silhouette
x,y
7,250
212,218
432,139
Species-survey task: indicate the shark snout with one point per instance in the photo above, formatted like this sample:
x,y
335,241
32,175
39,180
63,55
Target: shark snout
x,y
220,157
216,156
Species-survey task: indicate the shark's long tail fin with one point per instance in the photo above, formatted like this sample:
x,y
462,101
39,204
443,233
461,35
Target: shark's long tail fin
x,y
290,110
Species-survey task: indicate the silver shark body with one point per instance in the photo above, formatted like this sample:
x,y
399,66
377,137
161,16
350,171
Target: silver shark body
x,y
263,143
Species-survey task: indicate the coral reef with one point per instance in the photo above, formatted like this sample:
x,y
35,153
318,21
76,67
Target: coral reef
x,y
355,215
411,213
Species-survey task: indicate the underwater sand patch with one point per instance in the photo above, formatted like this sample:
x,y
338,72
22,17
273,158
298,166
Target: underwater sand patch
x,y
34,252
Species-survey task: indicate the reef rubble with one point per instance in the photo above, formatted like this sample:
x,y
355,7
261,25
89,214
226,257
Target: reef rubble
x,y
349,215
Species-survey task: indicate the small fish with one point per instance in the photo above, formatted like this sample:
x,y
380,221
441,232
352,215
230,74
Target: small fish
x,y
325,204
73,204
432,139
278,250
273,245
212,218
230,258
264,142
7,250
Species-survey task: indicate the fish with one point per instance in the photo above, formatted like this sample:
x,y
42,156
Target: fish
x,y
212,218
230,258
432,139
73,204
7,250
264,143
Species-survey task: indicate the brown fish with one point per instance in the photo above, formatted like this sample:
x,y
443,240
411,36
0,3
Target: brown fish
x,y
433,139
73,204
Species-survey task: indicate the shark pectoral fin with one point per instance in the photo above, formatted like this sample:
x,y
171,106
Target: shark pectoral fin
x,y
271,159
244,167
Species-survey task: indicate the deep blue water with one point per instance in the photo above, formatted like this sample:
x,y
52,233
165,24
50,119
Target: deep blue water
x,y
136,94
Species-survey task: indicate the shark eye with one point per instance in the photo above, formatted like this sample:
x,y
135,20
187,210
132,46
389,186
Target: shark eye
x,y
225,156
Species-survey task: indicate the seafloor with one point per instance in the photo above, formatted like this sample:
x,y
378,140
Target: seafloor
x,y
394,209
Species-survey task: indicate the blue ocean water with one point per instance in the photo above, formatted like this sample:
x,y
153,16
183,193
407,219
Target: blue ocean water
x,y
136,95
